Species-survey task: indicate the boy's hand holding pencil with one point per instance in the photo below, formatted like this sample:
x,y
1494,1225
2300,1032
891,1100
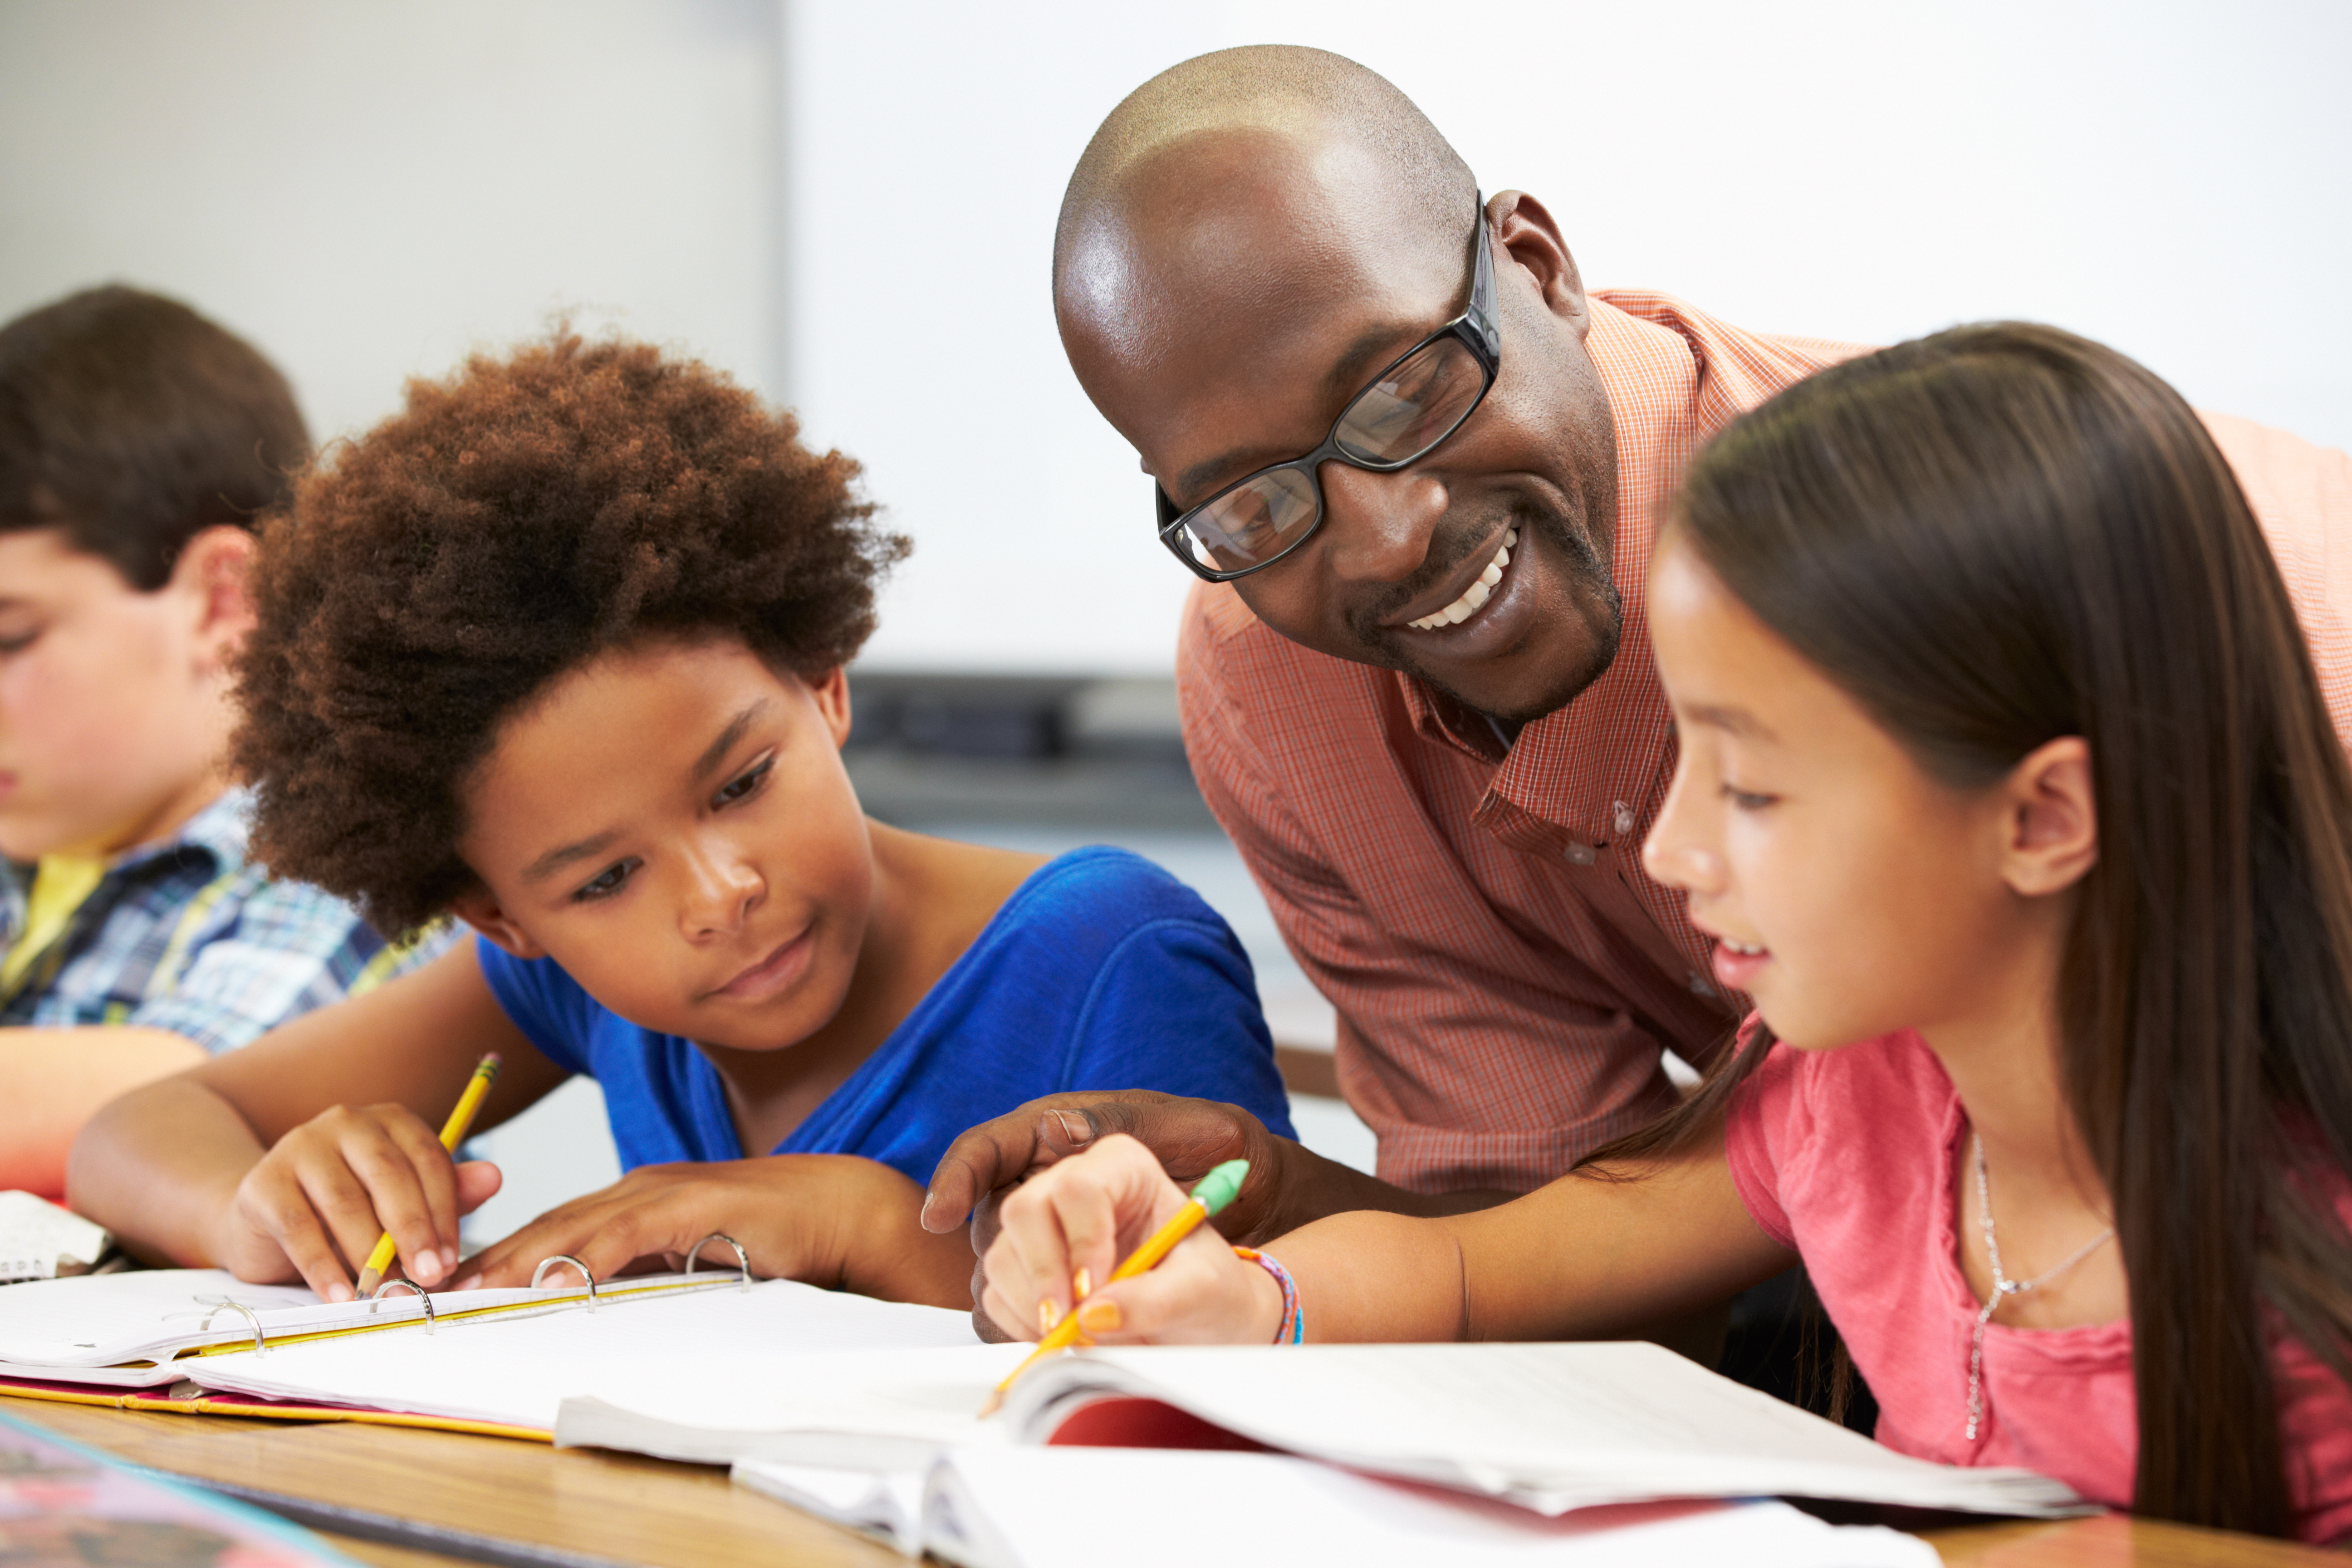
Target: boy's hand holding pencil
x,y
1065,1232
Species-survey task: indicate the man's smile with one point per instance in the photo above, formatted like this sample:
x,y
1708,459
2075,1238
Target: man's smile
x,y
1473,598
1485,607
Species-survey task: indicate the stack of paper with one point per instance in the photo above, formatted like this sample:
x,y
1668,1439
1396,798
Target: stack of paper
x,y
1080,1508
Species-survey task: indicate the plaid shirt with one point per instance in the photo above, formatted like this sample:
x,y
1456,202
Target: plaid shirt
x,y
1505,974
189,936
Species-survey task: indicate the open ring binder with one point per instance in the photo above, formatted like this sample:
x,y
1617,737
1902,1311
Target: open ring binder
x,y
539,1273
229,1304
406,1285
743,1258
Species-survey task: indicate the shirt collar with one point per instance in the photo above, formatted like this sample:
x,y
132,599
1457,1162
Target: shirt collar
x,y
1594,771
221,832
218,833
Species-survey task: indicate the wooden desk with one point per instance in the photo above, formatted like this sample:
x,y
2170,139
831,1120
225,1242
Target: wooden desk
x,y
589,1507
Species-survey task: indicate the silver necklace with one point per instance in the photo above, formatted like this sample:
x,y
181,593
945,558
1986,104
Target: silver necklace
x,y
2004,1287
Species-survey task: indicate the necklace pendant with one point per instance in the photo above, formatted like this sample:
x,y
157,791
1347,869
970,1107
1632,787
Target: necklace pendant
x,y
2003,1286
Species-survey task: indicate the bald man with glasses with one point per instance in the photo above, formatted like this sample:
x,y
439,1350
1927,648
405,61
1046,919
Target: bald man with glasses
x,y
1419,469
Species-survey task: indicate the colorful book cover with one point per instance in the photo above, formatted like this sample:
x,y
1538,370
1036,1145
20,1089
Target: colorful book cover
x,y
70,1507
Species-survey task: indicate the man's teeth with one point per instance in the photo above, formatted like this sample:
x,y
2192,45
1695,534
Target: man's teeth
x,y
1741,948
1477,593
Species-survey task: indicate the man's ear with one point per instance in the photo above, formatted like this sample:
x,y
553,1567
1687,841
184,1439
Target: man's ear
x,y
830,692
214,573
2050,818
1532,239
481,911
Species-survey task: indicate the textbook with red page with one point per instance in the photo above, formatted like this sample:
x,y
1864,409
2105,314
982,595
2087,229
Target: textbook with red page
x,y
1548,1427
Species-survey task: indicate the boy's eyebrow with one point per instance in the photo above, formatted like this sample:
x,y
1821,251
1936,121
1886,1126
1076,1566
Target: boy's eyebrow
x,y
554,860
1733,720
707,763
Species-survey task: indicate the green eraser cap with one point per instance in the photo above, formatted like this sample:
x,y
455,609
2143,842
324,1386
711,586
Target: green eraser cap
x,y
1219,1187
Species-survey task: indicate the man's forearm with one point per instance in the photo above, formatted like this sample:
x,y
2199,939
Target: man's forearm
x,y
1313,1187
52,1082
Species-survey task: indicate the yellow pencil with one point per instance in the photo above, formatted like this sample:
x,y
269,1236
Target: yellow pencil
x,y
1214,1192
453,1132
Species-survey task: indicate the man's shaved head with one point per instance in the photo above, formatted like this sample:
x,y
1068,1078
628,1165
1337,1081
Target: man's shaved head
x,y
1248,241
1287,92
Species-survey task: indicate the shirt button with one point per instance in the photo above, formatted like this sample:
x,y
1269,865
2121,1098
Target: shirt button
x,y
1581,853
1624,820
1699,987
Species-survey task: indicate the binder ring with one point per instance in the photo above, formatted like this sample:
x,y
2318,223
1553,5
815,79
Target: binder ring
x,y
743,1258
545,1264
406,1285
229,1304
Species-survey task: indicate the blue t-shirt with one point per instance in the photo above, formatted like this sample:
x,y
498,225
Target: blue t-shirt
x,y
1100,972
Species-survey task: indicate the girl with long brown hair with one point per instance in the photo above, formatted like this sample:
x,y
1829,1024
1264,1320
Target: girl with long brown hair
x,y
2007,788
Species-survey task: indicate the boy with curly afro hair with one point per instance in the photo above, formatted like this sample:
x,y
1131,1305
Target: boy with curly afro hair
x,y
559,651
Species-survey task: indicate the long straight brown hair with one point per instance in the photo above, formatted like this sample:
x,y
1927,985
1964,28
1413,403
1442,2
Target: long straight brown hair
x,y
2003,534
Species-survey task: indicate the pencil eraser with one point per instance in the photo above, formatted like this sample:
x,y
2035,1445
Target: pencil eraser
x,y
1218,1186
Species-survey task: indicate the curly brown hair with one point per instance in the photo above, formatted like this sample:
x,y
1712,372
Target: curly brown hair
x,y
511,523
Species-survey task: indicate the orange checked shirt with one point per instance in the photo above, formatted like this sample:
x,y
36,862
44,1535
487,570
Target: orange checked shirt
x,y
1506,976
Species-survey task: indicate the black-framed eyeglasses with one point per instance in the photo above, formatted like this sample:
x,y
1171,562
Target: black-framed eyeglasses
x,y
1400,418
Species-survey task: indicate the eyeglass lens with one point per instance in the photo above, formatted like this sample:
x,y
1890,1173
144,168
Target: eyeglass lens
x,y
1412,407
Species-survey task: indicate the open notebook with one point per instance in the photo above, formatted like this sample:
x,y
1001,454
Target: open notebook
x,y
498,1360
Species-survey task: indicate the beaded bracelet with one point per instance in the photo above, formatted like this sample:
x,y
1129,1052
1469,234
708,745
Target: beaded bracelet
x,y
1292,1330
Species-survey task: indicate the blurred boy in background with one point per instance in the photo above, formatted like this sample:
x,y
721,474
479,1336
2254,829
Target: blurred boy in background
x,y
138,441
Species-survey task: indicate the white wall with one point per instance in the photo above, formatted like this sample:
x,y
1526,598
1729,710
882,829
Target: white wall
x,y
367,190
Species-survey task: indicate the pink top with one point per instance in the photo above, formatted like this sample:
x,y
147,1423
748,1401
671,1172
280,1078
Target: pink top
x,y
1852,1158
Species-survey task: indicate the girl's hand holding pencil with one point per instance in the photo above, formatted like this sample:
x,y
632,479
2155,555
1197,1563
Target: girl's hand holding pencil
x,y
1067,1231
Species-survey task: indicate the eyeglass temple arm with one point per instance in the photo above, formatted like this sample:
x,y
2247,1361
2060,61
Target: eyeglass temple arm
x,y
1482,288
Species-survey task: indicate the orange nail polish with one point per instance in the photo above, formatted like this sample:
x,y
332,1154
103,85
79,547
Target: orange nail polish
x,y
1082,1284
1048,1314
1101,1318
